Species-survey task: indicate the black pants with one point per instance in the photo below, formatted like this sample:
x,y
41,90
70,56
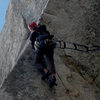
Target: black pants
x,y
44,59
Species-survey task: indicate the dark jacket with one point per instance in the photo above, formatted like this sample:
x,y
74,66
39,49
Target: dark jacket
x,y
40,34
41,30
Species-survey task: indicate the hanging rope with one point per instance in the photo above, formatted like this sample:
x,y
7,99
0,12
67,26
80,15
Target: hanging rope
x,y
67,91
74,46
42,13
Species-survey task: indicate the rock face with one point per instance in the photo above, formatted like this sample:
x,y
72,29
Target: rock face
x,y
69,20
15,33
76,21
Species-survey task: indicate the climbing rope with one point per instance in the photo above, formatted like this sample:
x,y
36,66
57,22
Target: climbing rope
x,y
83,48
67,91
42,13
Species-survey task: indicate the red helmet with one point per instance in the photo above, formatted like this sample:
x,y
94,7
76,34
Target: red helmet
x,y
32,25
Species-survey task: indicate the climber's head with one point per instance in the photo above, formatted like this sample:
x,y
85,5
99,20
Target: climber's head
x,y
32,26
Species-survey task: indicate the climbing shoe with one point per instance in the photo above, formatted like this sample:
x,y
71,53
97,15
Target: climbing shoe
x,y
45,75
52,82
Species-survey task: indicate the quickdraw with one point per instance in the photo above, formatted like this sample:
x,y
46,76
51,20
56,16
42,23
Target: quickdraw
x,y
74,46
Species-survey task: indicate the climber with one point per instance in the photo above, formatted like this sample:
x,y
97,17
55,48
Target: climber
x,y
43,46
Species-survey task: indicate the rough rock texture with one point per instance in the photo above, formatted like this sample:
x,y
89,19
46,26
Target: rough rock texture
x,y
15,33
69,20
77,21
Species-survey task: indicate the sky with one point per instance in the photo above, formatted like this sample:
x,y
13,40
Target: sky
x,y
3,8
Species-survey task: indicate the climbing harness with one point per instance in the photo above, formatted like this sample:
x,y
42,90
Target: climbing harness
x,y
67,91
75,46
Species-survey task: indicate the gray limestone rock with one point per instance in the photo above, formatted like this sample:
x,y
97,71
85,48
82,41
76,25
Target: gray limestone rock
x,y
69,20
15,33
